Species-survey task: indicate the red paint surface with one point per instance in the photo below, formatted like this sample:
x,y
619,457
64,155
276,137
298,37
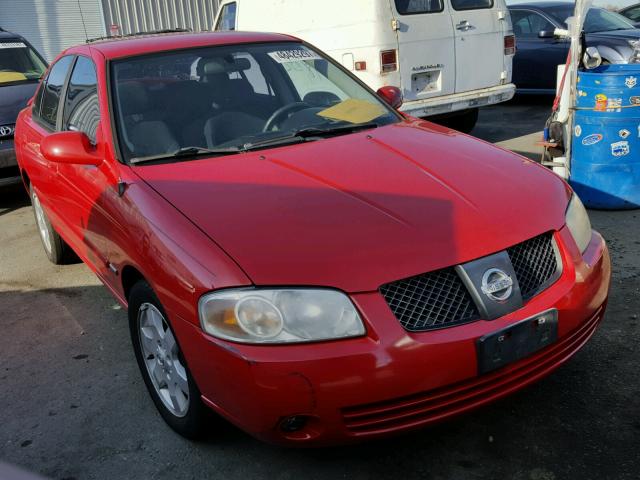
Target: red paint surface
x,y
352,212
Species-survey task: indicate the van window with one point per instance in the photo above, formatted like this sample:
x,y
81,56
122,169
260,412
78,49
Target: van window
x,y
227,20
471,4
412,7
81,111
52,90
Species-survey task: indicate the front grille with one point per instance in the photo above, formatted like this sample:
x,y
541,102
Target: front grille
x,y
439,299
535,264
432,300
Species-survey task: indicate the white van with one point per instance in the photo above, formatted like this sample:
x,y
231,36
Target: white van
x,y
446,55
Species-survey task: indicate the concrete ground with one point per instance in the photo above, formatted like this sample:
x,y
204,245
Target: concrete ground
x,y
73,405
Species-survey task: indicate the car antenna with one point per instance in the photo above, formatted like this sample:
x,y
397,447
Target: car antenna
x,y
84,26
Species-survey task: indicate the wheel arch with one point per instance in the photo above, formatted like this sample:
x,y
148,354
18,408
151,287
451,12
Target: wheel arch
x,y
130,276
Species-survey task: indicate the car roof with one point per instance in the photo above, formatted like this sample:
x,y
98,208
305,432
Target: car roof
x,y
119,47
4,35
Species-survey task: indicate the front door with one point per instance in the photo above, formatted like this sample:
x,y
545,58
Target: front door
x,y
425,48
479,43
538,54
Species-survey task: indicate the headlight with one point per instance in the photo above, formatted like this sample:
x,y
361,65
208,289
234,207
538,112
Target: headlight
x,y
279,315
578,222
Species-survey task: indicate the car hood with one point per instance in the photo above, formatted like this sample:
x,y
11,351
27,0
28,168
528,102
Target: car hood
x,y
14,98
357,211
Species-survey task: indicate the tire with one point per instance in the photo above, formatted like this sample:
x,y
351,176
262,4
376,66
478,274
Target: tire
x,y
57,251
169,382
466,121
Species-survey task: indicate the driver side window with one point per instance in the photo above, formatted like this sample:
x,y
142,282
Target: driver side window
x,y
81,110
529,24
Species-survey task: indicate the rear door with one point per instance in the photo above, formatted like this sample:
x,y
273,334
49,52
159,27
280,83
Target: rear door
x,y
479,44
425,48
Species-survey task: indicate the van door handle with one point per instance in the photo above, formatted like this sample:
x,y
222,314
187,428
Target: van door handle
x,y
464,25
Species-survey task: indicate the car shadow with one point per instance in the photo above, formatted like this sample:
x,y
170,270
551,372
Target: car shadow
x,y
12,198
517,118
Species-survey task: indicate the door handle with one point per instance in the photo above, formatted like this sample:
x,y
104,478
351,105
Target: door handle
x,y
464,25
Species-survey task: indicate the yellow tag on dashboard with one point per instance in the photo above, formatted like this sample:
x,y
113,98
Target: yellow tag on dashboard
x,y
353,110
6,77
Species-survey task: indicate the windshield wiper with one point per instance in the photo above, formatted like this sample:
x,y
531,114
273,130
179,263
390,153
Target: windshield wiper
x,y
304,134
298,136
186,152
331,131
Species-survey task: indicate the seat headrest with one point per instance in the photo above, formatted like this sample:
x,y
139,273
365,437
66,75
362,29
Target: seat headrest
x,y
214,66
134,97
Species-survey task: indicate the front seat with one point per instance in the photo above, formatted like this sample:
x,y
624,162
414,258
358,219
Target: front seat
x,y
144,136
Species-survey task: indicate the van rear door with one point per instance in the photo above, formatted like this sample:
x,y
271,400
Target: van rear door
x,y
425,48
479,35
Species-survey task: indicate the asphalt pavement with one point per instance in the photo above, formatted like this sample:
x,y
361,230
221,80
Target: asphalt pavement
x,y
73,404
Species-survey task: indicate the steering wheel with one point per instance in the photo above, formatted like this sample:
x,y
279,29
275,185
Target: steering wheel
x,y
282,113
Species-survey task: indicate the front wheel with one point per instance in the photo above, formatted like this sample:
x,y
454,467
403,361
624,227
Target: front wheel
x,y
58,252
163,368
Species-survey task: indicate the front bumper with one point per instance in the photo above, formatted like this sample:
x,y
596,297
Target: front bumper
x,y
8,164
391,380
459,101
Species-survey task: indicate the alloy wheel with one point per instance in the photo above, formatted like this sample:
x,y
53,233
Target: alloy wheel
x,y
162,358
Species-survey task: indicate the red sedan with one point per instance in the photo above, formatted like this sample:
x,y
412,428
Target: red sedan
x,y
293,252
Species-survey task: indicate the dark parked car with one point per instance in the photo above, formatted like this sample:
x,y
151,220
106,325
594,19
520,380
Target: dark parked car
x,y
539,52
21,67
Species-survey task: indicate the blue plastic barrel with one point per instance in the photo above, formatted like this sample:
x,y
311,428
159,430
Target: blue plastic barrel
x,y
605,163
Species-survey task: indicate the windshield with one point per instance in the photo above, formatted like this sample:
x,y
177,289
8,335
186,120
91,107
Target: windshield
x,y
19,63
235,97
598,20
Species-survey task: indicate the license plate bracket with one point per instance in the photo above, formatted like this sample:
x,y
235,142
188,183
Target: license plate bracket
x,y
517,341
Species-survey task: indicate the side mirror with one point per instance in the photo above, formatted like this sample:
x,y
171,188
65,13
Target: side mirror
x,y
391,95
69,147
546,34
591,58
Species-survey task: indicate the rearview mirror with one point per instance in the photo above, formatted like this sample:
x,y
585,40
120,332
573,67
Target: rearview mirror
x,y
546,34
391,95
69,147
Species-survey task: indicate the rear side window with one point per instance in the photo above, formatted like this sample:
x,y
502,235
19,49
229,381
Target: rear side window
x,y
412,7
52,90
227,19
471,4
81,111
633,14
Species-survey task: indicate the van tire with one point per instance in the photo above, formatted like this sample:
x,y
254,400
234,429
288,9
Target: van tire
x,y
465,122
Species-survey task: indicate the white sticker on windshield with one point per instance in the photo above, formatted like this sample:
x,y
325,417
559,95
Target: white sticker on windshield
x,y
13,45
297,55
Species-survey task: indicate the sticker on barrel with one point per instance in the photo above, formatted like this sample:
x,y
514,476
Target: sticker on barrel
x,y
620,149
591,139
601,102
